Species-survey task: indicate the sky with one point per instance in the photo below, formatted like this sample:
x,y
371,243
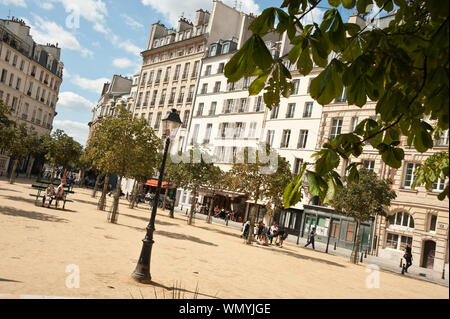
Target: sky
x,y
100,38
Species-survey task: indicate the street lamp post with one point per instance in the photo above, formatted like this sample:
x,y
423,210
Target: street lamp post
x,y
171,124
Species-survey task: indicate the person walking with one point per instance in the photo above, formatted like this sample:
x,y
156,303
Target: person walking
x,y
311,238
408,258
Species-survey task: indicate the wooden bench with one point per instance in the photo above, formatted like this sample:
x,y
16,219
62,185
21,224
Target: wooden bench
x,y
44,188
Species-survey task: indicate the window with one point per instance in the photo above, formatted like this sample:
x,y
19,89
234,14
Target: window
x,y
243,106
354,123
172,95
308,109
370,165
208,70
4,75
139,101
177,72
350,232
443,141
200,109
228,106
409,174
18,83
186,70
302,139
223,131
225,48
204,88
186,118
309,86
11,79
191,93
217,86
258,103
167,76
296,86
238,129
14,63
392,241
221,68
158,120
212,109
290,110
162,99
195,134
207,133
149,119
190,50
155,93
336,127
297,165
195,70
252,130
8,53
147,97
246,83
158,76
402,219
213,50
274,113
398,242
439,185
343,96
433,222
285,139
270,136
181,96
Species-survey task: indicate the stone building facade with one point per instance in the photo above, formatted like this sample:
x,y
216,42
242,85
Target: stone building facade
x,y
30,77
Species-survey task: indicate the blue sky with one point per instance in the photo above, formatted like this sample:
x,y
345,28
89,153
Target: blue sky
x,y
99,38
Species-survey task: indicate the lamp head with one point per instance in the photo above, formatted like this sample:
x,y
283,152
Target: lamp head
x,y
171,124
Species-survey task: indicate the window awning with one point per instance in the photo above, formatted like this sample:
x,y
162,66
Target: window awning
x,y
154,183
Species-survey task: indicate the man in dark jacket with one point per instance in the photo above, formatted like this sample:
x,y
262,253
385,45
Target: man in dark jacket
x,y
408,258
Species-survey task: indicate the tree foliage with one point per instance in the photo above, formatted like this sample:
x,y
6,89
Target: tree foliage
x,y
403,67
367,197
61,149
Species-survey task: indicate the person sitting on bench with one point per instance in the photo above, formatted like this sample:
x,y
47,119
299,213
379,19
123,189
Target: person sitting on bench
x,y
49,194
59,194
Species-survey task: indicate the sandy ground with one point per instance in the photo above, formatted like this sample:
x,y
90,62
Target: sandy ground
x,y
38,244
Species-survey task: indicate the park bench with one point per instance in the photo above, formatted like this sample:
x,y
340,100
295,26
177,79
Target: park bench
x,y
41,186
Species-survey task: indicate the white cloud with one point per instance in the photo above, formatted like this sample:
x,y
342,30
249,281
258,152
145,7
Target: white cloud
x,y
79,131
131,22
122,62
314,16
95,85
73,101
172,9
19,3
44,31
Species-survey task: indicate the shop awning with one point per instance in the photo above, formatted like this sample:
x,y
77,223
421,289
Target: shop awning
x,y
225,193
154,183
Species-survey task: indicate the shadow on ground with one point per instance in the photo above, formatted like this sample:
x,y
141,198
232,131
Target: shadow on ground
x,y
219,231
18,198
147,219
291,253
9,190
11,211
9,280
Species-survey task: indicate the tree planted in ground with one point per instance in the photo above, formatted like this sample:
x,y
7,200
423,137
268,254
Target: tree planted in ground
x,y
120,145
83,163
62,150
259,179
214,181
175,175
370,196
402,67
5,123
21,142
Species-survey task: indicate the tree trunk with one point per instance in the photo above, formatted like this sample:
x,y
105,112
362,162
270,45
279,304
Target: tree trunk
x,y
12,177
252,222
30,166
191,213
83,172
52,177
116,202
97,181
164,201
211,207
356,247
102,202
64,173
134,195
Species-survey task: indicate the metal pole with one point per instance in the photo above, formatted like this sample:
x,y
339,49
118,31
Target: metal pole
x,y
142,271
329,234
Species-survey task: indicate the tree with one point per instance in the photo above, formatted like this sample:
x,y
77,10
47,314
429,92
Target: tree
x,y
403,67
62,150
83,163
175,175
196,166
21,141
368,197
214,180
259,179
5,123
124,146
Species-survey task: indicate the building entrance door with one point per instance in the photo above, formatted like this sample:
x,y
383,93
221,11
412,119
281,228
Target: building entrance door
x,y
429,249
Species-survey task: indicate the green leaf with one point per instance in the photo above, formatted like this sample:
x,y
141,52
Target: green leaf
x,y
328,84
348,4
264,22
363,6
